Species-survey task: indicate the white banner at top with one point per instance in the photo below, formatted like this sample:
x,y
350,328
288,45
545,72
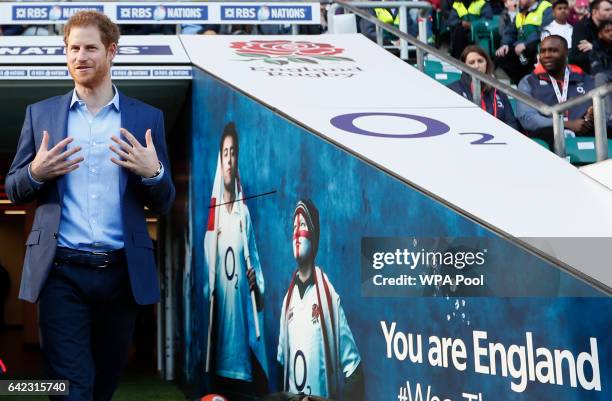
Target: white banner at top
x,y
165,13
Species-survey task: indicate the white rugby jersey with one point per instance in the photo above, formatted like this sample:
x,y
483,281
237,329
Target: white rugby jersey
x,y
232,293
302,343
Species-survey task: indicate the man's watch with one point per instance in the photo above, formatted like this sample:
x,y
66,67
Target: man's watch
x,y
158,172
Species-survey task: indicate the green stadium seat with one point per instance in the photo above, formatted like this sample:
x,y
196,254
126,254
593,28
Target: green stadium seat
x,y
581,150
541,142
485,33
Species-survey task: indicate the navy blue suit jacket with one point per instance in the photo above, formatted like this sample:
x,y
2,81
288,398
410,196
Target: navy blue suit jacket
x,y
51,115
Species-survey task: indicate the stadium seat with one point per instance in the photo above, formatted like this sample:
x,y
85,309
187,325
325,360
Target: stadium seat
x,y
485,33
581,150
440,71
541,142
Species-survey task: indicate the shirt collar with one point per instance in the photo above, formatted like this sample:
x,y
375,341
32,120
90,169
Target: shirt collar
x,y
114,101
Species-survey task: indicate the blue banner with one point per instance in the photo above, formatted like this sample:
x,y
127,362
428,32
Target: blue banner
x,y
50,12
266,13
316,224
161,13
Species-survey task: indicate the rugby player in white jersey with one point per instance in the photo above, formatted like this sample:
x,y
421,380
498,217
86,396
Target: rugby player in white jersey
x,y
316,347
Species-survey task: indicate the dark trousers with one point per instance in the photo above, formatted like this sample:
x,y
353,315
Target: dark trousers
x,y
460,38
86,317
512,65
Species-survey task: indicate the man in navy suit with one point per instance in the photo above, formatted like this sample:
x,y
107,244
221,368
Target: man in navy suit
x,y
92,159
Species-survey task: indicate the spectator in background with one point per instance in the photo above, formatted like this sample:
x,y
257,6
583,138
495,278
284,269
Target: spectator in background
x,y
507,15
493,102
391,16
560,25
519,46
464,13
195,29
11,30
600,59
415,16
578,10
497,6
388,16
36,30
585,33
554,81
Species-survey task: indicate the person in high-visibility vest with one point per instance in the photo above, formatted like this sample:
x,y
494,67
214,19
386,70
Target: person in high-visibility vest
x,y
463,14
388,16
519,46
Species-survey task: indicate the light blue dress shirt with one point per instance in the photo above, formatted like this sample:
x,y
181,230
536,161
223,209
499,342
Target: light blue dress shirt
x,y
91,209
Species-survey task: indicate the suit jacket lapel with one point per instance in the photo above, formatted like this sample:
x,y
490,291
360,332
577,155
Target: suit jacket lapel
x,y
58,127
129,121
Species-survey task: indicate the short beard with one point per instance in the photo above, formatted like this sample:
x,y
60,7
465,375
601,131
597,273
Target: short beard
x,y
89,83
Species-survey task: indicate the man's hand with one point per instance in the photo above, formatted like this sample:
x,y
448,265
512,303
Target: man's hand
x,y
589,115
252,280
140,160
466,24
585,46
519,48
53,163
253,287
502,51
579,126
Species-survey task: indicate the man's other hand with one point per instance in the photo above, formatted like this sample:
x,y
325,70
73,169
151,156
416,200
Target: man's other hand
x,y
252,280
579,126
140,160
585,46
502,51
519,48
52,163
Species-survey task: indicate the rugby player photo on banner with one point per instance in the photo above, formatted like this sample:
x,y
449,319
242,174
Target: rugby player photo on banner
x,y
235,343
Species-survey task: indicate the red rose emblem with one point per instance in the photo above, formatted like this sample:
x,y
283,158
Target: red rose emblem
x,y
316,311
285,48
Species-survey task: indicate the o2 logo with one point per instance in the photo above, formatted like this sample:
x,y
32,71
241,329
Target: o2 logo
x,y
230,261
433,127
301,359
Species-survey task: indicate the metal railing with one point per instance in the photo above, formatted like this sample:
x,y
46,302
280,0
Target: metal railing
x,y
402,6
556,111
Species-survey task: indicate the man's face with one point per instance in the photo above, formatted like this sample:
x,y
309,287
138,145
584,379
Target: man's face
x,y
603,12
302,245
605,36
553,56
228,162
560,13
510,5
525,4
89,62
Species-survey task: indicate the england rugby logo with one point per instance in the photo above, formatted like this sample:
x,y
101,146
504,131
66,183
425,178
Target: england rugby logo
x,y
283,52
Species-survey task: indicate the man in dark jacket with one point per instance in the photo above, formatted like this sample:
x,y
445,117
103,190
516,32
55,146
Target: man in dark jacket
x,y
585,33
519,45
554,81
600,60
463,14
